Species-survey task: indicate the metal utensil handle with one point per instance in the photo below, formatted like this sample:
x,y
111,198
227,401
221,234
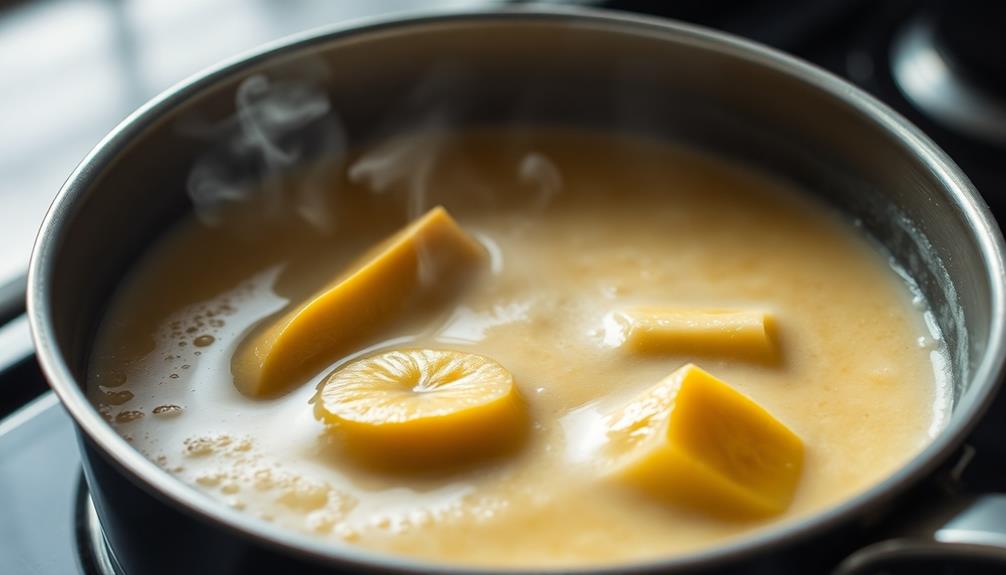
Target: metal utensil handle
x,y
975,531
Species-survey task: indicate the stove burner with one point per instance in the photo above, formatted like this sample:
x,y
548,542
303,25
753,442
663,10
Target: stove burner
x,y
933,84
92,548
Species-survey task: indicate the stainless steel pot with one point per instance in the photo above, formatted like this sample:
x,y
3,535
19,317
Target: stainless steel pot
x,y
598,69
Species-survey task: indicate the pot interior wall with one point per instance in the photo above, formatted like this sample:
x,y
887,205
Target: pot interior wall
x,y
518,71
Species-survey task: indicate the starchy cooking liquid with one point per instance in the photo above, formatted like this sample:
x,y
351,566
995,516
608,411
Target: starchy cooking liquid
x,y
579,229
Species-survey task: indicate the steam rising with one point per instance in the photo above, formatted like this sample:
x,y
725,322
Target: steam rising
x,y
538,170
407,160
274,158
276,128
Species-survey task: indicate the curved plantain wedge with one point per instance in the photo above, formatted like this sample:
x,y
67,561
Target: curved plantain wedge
x,y
426,258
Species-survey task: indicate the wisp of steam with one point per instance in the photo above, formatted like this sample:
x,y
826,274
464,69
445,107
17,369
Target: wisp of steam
x,y
281,126
277,125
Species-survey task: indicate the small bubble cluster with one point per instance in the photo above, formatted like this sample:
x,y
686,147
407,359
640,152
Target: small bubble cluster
x,y
321,521
207,445
233,471
210,479
347,533
167,410
112,379
106,413
196,330
486,509
304,495
128,415
118,397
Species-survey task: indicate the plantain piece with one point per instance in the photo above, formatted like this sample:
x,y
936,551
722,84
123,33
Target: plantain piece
x,y
730,332
694,442
426,407
428,258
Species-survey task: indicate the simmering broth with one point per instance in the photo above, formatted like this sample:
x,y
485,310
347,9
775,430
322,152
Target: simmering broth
x,y
577,226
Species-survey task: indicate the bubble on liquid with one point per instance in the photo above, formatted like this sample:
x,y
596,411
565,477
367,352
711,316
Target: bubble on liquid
x,y
168,410
236,504
203,341
263,480
210,479
341,501
320,521
128,415
113,379
304,495
346,533
118,397
191,330
186,366
230,487
216,323
105,414
173,376
918,302
198,447
382,522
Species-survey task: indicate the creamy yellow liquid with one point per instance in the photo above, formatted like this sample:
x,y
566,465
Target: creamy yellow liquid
x,y
578,225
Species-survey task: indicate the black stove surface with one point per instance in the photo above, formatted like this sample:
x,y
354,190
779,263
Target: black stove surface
x,y
44,527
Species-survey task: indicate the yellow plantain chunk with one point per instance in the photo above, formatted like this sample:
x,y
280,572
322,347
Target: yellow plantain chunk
x,y
692,441
428,407
425,259
745,333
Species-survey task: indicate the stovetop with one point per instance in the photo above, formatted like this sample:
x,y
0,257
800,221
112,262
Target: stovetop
x,y
39,473
45,528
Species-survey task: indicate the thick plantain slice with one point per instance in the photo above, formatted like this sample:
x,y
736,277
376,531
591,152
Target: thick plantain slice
x,y
422,406
694,442
743,333
427,257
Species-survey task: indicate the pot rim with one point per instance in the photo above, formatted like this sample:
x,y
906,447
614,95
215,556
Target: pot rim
x,y
76,189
